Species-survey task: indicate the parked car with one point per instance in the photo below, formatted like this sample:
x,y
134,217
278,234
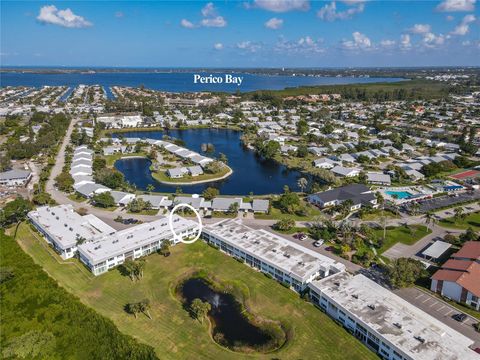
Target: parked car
x,y
460,317
301,236
318,243
329,248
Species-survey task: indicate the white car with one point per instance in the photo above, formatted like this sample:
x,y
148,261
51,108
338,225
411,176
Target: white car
x,y
318,243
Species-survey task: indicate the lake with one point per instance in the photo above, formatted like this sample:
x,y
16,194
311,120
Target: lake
x,y
176,81
250,172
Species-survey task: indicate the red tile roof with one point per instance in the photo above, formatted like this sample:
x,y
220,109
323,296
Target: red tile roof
x,y
470,250
467,275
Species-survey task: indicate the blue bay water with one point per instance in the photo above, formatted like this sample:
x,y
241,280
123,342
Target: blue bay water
x,y
176,81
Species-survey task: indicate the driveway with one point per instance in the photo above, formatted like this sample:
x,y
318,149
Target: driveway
x,y
440,310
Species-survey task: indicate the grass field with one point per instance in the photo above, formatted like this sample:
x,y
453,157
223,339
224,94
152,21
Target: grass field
x,y
276,214
401,234
471,220
172,333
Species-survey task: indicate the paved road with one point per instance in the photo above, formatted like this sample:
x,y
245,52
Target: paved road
x,y
440,310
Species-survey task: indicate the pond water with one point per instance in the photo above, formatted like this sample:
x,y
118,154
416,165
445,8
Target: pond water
x,y
225,315
250,172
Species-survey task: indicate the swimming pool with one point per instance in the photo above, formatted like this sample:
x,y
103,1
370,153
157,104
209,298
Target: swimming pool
x,y
399,194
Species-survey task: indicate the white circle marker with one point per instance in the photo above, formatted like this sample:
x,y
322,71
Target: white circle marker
x,y
170,223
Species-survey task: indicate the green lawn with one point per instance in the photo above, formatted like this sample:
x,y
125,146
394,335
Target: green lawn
x,y
402,235
172,333
276,214
471,220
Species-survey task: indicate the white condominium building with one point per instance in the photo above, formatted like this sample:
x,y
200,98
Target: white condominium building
x,y
110,250
387,324
284,260
64,228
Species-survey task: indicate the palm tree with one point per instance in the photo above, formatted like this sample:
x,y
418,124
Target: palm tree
x,y
430,219
302,184
459,212
200,309
150,188
139,267
129,268
144,306
132,308
414,208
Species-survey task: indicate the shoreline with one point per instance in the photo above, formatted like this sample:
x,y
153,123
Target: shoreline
x,y
230,172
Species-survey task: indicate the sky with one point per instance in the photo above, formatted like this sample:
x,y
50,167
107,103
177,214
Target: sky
x,y
254,33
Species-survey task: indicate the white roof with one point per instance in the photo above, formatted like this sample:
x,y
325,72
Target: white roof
x,y
293,259
441,341
64,225
120,242
436,249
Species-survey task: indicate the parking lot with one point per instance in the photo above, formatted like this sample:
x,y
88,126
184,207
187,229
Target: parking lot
x,y
441,311
445,201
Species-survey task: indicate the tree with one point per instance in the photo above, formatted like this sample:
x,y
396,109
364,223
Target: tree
x,y
144,306
302,127
150,188
288,202
214,167
285,224
403,272
468,235
200,309
165,248
210,193
128,268
132,308
430,219
233,208
64,182
14,211
459,213
138,205
302,151
104,200
302,184
223,158
111,178
270,149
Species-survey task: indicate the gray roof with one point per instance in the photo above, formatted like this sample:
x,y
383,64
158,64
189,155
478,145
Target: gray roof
x,y
195,170
378,178
358,193
89,188
437,249
15,174
156,200
260,205
223,204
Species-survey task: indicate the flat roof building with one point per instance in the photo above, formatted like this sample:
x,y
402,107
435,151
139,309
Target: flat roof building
x,y
284,260
110,250
64,228
387,324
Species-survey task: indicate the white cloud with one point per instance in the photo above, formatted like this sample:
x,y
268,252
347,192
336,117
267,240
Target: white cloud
x,y
449,18
281,5
360,42
217,21
248,46
387,43
464,27
405,43
304,45
420,29
209,10
218,46
49,14
210,18
274,23
431,40
456,5
329,11
187,24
